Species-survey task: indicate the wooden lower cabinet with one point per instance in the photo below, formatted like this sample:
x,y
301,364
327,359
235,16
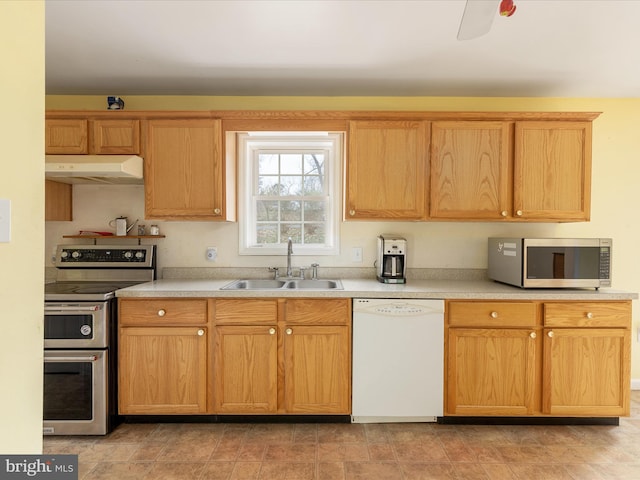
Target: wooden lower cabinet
x,y
266,364
163,355
573,359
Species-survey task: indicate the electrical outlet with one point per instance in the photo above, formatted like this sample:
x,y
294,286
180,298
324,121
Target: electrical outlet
x,y
212,254
356,254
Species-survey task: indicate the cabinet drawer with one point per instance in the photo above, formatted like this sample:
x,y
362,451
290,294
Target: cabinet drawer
x,y
246,312
162,312
491,314
588,314
335,311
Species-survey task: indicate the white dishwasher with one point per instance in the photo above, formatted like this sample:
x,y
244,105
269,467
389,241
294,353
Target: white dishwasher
x,y
398,360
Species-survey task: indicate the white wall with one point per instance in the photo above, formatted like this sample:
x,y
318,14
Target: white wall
x,y
22,181
616,180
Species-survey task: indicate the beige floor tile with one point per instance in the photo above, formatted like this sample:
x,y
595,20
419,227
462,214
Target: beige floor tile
x,y
372,471
288,471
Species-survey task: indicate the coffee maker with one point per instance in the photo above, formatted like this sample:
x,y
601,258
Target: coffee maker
x,y
391,265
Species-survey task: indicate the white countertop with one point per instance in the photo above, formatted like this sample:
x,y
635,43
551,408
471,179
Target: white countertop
x,y
371,288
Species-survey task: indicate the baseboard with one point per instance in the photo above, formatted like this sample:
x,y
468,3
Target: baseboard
x,y
635,384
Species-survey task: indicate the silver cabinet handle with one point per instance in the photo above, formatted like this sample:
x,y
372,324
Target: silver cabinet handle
x,y
200,332
288,331
533,335
272,331
550,334
162,312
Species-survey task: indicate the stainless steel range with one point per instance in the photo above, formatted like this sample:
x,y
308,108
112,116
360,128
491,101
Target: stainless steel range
x,y
80,334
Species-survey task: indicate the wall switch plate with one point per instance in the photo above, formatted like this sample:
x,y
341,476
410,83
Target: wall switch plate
x,y
212,254
5,220
356,254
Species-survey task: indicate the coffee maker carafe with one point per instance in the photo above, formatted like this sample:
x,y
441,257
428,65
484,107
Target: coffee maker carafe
x,y
392,259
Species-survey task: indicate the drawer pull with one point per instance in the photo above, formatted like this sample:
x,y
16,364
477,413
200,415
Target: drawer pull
x,y
162,312
272,331
217,211
533,335
288,331
200,332
589,315
352,212
503,213
550,334
494,314
519,213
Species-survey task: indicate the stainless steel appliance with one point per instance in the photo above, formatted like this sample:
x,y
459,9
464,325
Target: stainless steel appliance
x,y
80,334
398,360
551,262
392,259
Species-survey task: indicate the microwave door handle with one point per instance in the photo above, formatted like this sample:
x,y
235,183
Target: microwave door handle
x,y
89,358
72,308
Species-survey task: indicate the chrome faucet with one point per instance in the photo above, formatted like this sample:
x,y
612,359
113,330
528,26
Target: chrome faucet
x,y
289,252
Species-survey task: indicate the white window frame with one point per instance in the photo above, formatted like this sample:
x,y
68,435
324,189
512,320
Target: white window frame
x,y
248,144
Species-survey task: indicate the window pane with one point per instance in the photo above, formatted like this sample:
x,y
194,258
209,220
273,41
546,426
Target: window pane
x,y
268,163
267,233
291,185
268,185
314,211
314,163
314,233
267,210
293,230
291,164
290,211
313,185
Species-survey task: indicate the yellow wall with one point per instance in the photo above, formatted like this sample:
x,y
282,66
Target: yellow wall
x,y
21,260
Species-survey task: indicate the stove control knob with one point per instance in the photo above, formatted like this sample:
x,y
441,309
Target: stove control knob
x,y
76,254
64,254
128,255
139,254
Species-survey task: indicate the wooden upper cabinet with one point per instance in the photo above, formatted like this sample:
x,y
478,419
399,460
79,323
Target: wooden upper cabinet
x,y
470,170
115,136
184,174
552,170
58,201
387,170
66,136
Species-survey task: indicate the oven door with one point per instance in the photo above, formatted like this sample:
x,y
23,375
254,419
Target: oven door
x,y
75,392
76,324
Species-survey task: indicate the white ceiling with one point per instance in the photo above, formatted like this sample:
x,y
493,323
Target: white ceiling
x,y
549,48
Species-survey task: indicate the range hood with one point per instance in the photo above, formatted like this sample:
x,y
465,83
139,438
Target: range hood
x,y
96,169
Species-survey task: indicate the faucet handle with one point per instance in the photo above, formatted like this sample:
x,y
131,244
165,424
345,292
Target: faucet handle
x,y
302,270
276,272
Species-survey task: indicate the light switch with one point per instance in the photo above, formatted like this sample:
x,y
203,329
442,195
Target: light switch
x,y
5,220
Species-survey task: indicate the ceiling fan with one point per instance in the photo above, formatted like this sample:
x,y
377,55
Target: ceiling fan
x,y
479,14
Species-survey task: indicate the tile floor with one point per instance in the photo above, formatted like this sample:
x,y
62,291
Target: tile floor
x,y
359,452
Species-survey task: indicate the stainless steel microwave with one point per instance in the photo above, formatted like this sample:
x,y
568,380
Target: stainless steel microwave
x,y
551,262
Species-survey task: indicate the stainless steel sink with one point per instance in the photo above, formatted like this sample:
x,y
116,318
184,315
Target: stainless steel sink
x,y
293,284
315,284
254,284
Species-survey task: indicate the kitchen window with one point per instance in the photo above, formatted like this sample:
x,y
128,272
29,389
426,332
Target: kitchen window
x,y
289,188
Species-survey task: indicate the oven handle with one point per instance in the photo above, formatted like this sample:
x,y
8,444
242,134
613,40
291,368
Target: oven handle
x,y
89,358
72,308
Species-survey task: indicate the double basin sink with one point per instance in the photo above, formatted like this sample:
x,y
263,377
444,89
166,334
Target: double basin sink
x,y
286,284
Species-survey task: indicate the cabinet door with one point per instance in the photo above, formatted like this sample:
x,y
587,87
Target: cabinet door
x,y
317,373
470,170
64,136
586,371
58,201
552,170
491,371
387,170
163,370
183,170
115,136
245,369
